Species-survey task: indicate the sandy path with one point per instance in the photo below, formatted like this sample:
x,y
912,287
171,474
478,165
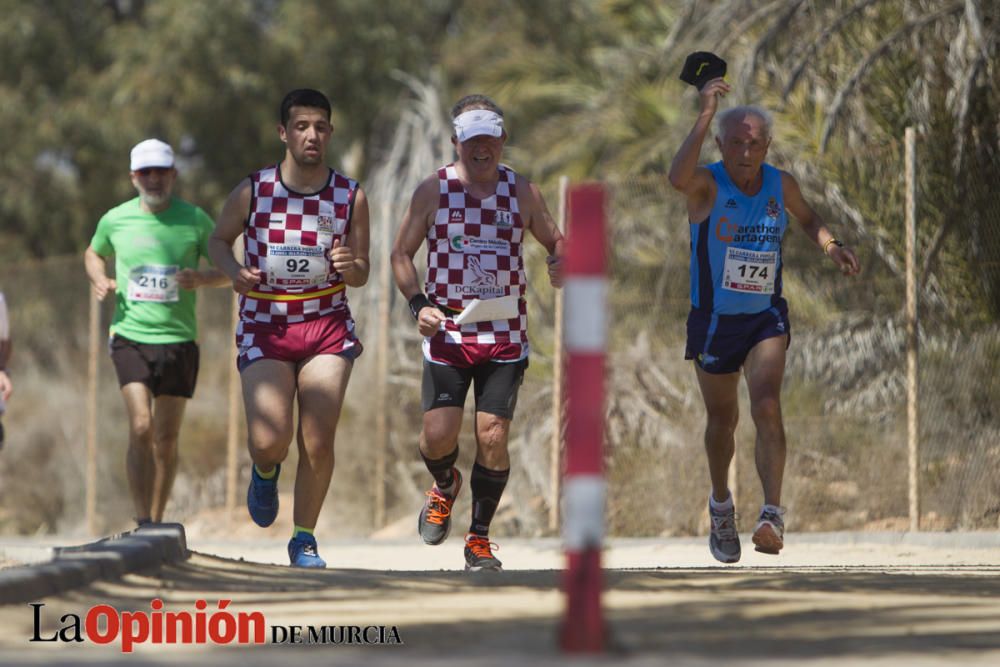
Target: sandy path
x,y
885,601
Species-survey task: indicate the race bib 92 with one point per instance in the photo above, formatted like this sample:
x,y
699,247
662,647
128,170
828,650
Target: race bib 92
x,y
153,282
296,266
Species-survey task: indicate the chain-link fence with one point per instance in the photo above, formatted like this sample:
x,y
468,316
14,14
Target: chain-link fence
x,y
844,396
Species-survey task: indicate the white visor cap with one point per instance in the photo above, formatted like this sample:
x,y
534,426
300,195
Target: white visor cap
x,y
151,153
477,122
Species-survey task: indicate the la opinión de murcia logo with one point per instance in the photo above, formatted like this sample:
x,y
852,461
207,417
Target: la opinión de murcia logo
x,y
104,624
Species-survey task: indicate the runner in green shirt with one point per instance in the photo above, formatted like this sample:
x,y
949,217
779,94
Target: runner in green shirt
x,y
157,240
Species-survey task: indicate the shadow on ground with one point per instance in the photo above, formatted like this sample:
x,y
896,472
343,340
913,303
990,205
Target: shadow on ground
x,y
696,614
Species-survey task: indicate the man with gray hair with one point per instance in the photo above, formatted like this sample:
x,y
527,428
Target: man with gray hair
x,y
157,240
739,320
474,215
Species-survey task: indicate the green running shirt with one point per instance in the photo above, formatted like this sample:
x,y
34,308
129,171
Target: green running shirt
x,y
149,249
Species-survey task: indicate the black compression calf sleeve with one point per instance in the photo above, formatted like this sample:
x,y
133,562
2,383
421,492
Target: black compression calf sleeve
x,y
487,487
441,468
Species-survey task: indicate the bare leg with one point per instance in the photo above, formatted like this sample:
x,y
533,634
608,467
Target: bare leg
x,y
168,412
492,433
268,391
439,436
322,382
139,458
765,369
723,411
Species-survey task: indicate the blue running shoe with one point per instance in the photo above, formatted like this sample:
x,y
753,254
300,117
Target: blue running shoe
x,y
302,551
262,497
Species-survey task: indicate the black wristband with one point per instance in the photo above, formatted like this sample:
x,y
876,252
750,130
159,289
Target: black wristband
x,y
418,302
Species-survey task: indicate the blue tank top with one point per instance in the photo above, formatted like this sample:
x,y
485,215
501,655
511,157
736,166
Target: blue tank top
x,y
736,251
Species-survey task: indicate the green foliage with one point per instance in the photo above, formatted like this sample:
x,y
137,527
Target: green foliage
x,y
84,81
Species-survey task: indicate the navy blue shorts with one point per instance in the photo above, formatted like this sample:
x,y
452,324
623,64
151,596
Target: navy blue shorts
x,y
720,343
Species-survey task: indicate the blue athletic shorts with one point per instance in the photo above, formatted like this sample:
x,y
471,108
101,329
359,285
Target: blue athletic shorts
x,y
720,343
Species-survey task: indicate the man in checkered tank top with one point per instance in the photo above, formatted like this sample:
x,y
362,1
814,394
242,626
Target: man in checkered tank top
x,y
305,240
473,215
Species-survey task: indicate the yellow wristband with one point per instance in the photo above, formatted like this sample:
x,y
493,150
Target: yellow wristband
x,y
833,240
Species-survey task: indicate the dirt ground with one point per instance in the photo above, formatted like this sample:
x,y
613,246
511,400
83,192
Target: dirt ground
x,y
884,599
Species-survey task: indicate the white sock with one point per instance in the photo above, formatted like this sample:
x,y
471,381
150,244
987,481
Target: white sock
x,y
725,505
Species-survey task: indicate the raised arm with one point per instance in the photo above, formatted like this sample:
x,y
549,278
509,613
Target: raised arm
x,y
685,174
814,228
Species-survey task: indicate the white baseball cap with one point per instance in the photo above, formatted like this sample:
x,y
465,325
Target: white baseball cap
x,y
477,122
151,153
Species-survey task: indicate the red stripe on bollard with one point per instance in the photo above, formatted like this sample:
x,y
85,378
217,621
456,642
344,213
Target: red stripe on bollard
x,y
585,422
586,247
584,630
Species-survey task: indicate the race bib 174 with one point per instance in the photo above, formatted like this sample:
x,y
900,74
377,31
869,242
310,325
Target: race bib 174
x,y
749,271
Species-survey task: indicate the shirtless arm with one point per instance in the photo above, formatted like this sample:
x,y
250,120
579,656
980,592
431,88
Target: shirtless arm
x,y
412,234
351,260
812,225
228,229
543,227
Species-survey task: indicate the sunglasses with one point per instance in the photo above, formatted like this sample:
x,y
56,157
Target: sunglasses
x,y
146,171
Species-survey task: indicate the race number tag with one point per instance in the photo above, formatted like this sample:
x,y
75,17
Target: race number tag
x,y
153,282
749,271
296,265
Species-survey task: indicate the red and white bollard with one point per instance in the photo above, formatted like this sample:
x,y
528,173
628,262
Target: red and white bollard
x,y
584,489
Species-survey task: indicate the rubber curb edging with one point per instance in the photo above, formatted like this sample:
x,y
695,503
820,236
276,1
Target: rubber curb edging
x,y
143,549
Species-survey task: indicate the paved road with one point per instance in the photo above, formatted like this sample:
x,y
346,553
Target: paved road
x,y
881,599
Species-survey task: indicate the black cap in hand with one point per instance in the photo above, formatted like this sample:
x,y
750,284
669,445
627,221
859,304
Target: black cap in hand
x,y
701,67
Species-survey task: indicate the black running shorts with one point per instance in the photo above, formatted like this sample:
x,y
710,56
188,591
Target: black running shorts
x,y
495,386
168,369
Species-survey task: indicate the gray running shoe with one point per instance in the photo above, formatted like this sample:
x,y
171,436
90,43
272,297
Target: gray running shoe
x,y
769,535
434,522
479,555
724,540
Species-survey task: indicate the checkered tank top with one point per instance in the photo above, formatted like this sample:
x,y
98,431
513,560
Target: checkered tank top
x,y
474,251
287,236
